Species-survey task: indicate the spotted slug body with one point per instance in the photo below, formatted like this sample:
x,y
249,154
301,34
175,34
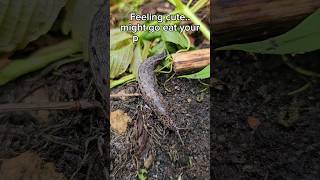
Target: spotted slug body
x,y
150,90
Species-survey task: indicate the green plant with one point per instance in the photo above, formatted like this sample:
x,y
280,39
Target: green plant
x,y
190,13
304,38
170,41
142,174
22,22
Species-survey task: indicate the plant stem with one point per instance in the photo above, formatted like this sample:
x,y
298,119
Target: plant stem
x,y
198,5
190,14
125,79
38,60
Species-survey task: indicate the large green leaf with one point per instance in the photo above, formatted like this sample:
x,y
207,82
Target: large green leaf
x,y
78,20
37,60
120,60
303,38
121,52
203,74
118,39
26,20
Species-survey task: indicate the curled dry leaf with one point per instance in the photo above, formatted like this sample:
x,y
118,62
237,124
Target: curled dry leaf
x,y
119,121
148,162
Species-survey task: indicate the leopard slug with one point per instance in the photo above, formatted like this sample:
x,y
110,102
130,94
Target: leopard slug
x,y
151,94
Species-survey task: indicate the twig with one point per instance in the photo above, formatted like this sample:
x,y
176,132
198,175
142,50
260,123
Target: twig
x,y
121,95
71,105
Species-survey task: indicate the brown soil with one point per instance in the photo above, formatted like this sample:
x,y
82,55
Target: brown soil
x,y
146,136
74,141
285,144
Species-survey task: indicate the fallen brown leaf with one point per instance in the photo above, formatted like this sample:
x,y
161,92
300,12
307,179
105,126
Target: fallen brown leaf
x,y
148,162
119,121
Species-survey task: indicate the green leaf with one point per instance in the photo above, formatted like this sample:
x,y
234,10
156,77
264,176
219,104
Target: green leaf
x,y
120,60
24,21
122,80
175,37
303,38
38,60
203,74
137,60
142,174
139,56
151,35
79,15
160,47
119,39
121,53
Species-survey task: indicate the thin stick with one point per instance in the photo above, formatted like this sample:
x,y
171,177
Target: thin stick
x,y
121,95
71,105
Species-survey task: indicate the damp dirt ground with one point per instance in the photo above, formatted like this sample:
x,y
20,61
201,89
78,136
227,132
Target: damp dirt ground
x,y
147,137
73,140
258,130
76,142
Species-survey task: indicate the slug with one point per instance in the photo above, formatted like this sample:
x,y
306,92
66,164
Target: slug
x,y
151,94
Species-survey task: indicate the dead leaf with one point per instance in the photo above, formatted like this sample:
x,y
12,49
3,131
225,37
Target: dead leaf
x,y
253,122
119,121
29,166
148,162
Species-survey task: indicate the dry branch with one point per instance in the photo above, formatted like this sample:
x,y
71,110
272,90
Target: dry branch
x,y
244,20
191,60
71,105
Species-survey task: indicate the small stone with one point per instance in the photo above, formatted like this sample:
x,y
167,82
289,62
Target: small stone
x,y
189,100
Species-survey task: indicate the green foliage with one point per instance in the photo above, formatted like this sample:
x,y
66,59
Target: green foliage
x,y
203,74
158,42
122,55
26,20
303,38
122,80
175,37
38,60
79,15
142,174
139,55
190,13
